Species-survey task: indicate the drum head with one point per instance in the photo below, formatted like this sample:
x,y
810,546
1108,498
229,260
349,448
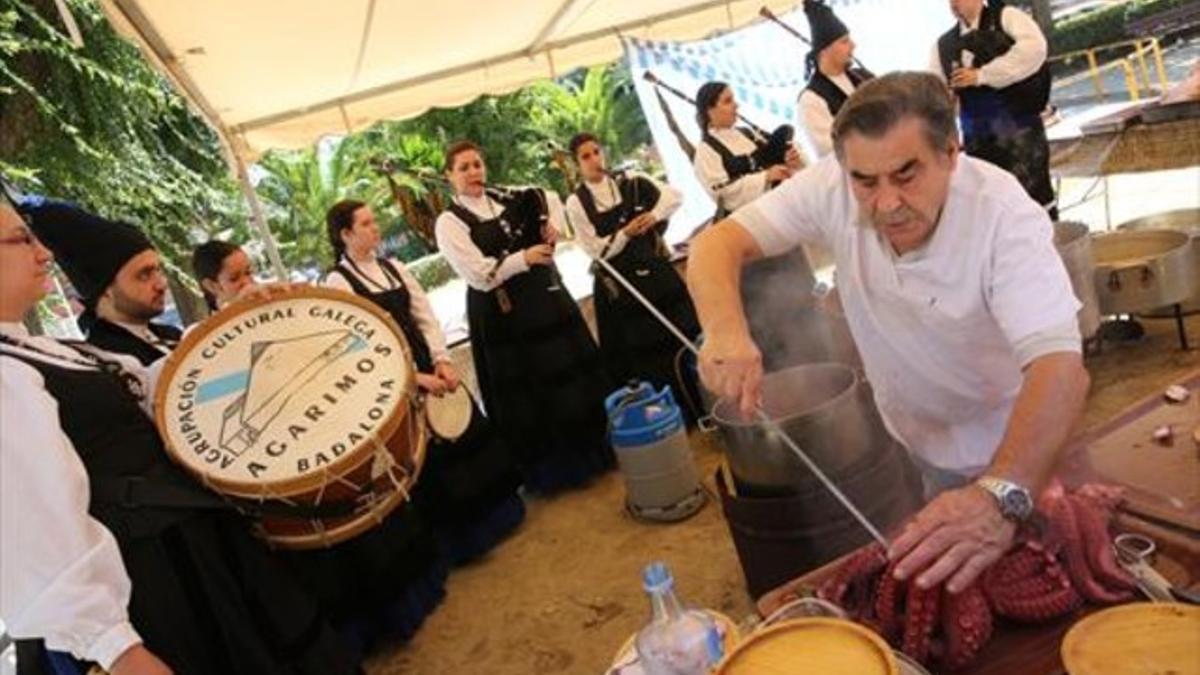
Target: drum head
x,y
273,398
449,415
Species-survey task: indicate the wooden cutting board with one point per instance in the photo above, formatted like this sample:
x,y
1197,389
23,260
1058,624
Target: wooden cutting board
x,y
1163,480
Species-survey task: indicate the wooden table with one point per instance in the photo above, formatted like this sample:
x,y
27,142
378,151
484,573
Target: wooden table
x,y
1034,650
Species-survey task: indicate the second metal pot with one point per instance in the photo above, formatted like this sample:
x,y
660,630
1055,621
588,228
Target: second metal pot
x,y
1075,247
1180,220
1141,270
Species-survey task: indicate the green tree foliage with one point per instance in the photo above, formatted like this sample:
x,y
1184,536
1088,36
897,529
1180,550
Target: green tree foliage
x,y
297,188
523,135
1107,24
598,100
98,126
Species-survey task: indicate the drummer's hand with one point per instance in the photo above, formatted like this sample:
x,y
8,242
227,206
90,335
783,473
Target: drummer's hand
x,y
431,384
792,159
266,291
778,173
446,371
137,660
541,254
956,536
731,367
550,234
964,77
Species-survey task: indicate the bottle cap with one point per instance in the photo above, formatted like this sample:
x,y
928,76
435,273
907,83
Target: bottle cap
x,y
656,577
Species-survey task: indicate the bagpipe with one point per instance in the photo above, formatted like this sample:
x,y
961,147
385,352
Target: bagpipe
x,y
524,209
857,73
771,148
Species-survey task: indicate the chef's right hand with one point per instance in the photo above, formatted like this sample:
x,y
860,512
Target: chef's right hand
x,y
541,254
731,367
137,660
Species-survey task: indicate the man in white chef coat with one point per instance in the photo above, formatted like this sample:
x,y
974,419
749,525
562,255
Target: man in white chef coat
x,y
959,304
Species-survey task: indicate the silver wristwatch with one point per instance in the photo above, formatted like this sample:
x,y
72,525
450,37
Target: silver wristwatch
x,y
1013,500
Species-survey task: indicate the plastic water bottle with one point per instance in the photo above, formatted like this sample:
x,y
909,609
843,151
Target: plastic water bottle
x,y
676,641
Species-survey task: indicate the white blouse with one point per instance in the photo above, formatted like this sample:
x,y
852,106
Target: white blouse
x,y
607,196
484,273
815,117
372,275
711,171
61,574
1021,60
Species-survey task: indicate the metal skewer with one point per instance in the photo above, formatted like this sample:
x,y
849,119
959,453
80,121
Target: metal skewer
x,y
762,417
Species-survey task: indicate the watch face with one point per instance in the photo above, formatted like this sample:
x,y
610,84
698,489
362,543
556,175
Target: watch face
x,y
1017,503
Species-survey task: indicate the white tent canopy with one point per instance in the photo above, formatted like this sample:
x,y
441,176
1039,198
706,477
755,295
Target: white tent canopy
x,y
280,74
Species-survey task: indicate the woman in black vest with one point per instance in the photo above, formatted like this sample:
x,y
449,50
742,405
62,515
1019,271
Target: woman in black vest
x,y
381,584
468,487
774,290
224,272
540,373
621,217
116,556
731,162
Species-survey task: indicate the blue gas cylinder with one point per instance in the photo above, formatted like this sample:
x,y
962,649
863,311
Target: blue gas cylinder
x,y
648,435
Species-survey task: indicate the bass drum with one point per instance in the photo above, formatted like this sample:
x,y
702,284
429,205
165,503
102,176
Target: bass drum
x,y
302,407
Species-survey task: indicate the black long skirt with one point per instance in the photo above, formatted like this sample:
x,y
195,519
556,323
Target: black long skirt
x,y
542,380
208,598
381,585
633,343
468,491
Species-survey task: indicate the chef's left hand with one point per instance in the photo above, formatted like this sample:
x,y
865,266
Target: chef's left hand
x,y
449,375
964,77
956,536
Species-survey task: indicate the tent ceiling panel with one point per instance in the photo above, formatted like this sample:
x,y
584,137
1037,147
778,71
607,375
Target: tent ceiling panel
x,y
282,74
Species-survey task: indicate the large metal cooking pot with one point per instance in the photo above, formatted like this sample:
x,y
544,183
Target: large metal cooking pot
x,y
1181,220
817,333
824,407
1075,247
1141,270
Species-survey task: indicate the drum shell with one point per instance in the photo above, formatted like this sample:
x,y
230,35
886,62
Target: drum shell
x,y
376,501
1074,245
1181,220
1142,270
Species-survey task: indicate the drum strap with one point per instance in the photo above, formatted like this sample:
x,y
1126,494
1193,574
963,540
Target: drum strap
x,y
133,492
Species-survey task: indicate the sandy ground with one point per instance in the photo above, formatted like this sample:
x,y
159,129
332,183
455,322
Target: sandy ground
x,y
563,594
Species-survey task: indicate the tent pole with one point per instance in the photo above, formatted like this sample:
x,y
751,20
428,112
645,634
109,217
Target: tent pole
x,y
256,217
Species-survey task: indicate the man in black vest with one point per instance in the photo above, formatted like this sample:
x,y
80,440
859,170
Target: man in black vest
x,y
995,60
117,272
831,77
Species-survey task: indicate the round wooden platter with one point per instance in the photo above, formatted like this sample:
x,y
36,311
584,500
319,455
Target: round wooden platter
x,y
1137,639
811,645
